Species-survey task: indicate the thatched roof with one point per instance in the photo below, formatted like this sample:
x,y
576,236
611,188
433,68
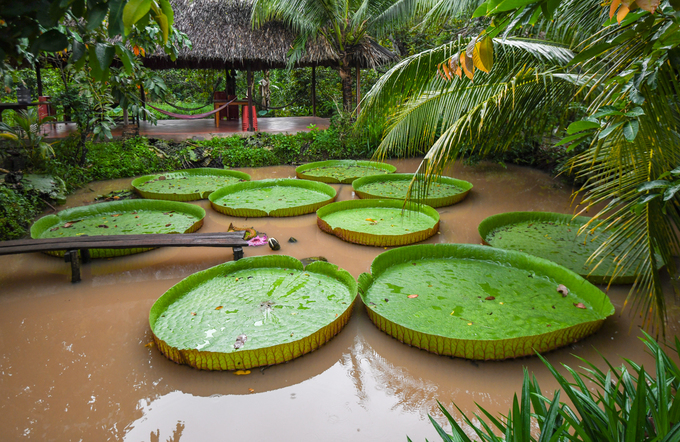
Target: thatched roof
x,y
223,37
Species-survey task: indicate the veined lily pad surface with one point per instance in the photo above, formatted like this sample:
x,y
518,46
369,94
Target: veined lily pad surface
x,y
256,311
342,171
130,217
186,185
554,236
442,192
378,222
478,302
279,197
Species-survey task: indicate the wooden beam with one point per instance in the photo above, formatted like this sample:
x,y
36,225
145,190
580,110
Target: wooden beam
x,y
314,91
358,71
142,97
249,79
38,78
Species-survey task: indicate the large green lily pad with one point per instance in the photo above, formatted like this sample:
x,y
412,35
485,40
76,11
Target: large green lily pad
x,y
378,222
342,171
256,311
554,236
130,217
186,185
442,192
279,197
479,302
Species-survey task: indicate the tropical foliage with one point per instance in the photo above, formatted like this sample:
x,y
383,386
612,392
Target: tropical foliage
x,y
630,404
345,25
538,65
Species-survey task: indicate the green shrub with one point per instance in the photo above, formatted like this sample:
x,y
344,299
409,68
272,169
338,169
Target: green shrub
x,y
17,211
628,404
248,157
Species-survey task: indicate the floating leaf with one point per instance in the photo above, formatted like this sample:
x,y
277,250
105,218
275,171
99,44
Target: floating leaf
x,y
242,372
341,171
498,331
186,185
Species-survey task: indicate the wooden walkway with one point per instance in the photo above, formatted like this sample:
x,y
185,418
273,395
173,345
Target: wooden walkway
x,y
178,130
73,245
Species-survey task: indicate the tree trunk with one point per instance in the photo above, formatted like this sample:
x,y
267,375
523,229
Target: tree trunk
x,y
345,72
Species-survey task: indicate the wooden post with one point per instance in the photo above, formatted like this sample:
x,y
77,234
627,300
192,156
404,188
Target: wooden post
x,y
38,78
358,88
72,257
249,79
314,91
142,96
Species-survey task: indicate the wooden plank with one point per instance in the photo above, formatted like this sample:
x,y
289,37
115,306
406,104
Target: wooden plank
x,y
234,236
224,239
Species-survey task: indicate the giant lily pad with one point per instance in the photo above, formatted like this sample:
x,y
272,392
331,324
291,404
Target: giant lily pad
x,y
129,217
478,302
554,236
256,311
342,171
378,222
279,197
442,192
186,185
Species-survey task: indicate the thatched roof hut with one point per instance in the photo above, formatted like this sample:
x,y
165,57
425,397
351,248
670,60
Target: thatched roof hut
x,y
223,37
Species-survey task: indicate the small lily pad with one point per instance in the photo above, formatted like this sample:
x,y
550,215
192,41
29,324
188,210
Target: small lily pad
x,y
186,185
278,198
378,222
444,191
342,171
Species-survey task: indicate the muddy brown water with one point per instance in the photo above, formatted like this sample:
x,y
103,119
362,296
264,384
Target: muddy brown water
x,y
75,363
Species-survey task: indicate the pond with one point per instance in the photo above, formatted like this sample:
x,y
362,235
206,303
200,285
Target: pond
x,y
76,361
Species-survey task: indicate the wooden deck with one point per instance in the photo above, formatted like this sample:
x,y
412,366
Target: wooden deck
x,y
178,130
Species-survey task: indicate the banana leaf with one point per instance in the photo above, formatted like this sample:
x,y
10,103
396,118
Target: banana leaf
x,y
379,223
277,198
554,236
186,185
479,302
129,217
342,171
445,191
252,312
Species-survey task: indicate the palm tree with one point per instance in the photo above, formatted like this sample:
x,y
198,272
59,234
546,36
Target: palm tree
x,y
346,26
624,74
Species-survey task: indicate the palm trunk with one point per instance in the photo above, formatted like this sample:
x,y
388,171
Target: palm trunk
x,y
346,76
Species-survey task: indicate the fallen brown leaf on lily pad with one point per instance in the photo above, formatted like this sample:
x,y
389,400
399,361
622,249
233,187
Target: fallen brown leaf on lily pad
x,y
412,296
579,305
218,308
67,225
490,298
563,289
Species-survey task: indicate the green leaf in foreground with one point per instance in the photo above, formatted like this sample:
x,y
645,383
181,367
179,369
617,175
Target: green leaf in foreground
x,y
256,311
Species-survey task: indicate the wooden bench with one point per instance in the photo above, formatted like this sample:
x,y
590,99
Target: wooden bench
x,y
83,244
